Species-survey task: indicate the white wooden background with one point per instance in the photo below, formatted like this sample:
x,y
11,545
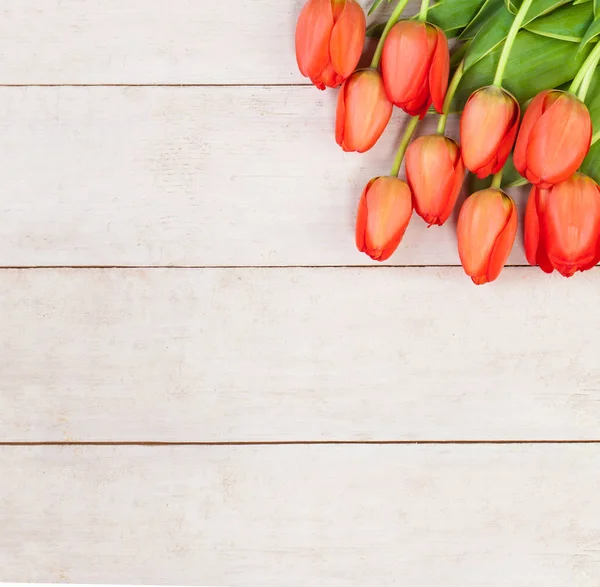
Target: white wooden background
x,y
203,382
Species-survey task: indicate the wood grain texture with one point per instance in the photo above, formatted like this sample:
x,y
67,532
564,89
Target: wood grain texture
x,y
297,355
149,42
524,516
190,176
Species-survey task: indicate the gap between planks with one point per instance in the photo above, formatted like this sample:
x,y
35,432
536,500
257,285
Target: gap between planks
x,y
299,443
221,267
183,85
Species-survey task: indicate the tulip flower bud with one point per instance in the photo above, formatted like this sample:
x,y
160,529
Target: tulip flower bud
x,y
435,174
415,64
384,212
554,138
562,226
487,226
488,127
330,36
363,111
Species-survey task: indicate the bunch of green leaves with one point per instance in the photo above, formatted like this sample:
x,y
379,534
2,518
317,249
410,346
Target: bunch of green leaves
x,y
555,40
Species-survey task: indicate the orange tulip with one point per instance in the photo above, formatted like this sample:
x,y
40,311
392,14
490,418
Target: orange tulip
x,y
562,226
330,36
435,174
363,111
554,138
415,64
487,226
488,127
384,212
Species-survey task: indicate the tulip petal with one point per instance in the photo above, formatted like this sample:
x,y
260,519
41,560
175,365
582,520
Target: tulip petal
x,y
420,105
330,78
482,218
504,243
487,169
361,218
313,32
540,202
340,117
488,126
406,60
532,228
530,118
439,72
572,224
367,111
560,140
454,189
384,212
428,167
431,173
348,39
507,143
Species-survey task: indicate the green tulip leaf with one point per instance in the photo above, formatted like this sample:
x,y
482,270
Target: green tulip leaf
x,y
375,6
536,63
511,178
568,23
538,7
511,6
491,35
592,32
591,164
592,101
452,16
596,4
494,32
375,30
578,2
488,8
458,55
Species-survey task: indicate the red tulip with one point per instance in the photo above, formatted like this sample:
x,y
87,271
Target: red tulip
x,y
363,111
415,64
488,127
435,174
384,212
330,36
487,226
554,138
562,226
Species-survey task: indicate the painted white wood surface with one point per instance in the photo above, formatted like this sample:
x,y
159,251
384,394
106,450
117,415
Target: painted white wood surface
x,y
363,516
240,169
150,41
189,176
297,355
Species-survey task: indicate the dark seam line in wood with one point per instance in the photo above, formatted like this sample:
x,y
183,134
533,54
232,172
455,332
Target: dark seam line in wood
x,y
166,85
302,443
265,267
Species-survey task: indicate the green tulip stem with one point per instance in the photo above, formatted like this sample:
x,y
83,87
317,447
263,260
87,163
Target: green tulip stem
x,y
424,10
587,80
590,63
497,180
410,129
388,27
510,39
454,83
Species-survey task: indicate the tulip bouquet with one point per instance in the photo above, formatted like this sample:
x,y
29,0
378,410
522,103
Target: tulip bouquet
x,y
536,57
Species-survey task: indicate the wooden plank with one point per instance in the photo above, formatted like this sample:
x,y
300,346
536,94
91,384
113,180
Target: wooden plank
x,y
189,176
149,42
525,516
297,354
